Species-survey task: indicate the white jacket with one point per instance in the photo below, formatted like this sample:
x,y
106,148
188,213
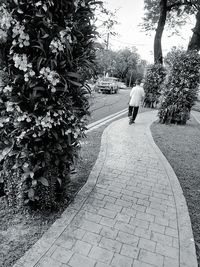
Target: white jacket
x,y
136,94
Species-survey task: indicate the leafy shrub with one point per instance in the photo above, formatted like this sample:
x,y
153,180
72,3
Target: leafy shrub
x,y
181,87
47,48
153,84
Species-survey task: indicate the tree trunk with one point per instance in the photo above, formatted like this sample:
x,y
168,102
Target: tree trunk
x,y
158,57
194,43
130,80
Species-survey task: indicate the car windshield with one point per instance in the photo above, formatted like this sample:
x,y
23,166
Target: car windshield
x,y
109,79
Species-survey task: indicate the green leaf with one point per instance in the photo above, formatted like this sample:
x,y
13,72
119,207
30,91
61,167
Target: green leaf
x,y
75,83
31,193
43,181
74,75
60,181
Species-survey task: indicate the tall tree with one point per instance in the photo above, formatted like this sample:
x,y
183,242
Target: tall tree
x,y
194,43
172,13
158,57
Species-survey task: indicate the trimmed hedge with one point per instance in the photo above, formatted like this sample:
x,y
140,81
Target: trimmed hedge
x,y
181,88
153,84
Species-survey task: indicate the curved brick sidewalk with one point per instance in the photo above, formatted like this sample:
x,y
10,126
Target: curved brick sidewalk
x,y
131,212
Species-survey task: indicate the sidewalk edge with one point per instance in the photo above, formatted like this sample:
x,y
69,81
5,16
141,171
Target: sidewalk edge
x,y
188,256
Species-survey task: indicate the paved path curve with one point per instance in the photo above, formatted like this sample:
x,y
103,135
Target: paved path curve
x,y
131,212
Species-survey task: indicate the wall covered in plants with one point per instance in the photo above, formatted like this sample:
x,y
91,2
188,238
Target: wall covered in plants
x,y
46,49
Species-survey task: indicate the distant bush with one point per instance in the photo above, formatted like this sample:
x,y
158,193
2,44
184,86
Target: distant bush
x,y
47,49
181,87
153,84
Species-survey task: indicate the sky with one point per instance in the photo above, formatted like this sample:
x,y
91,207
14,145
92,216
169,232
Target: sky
x,y
129,16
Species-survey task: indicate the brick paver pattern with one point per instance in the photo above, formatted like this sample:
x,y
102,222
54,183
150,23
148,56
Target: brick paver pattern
x,y
129,219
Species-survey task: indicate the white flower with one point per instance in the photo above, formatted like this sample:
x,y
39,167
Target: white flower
x,y
21,61
56,46
69,39
44,7
22,37
39,3
53,89
32,73
7,89
9,106
49,75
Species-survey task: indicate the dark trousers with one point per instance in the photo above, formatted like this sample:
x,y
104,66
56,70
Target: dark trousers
x,y
133,111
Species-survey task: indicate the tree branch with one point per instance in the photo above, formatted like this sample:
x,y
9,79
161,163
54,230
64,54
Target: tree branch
x,y
185,3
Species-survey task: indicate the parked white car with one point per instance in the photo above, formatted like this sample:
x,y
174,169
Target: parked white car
x,y
107,85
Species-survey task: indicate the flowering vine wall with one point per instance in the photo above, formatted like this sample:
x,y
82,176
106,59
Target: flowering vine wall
x,y
46,49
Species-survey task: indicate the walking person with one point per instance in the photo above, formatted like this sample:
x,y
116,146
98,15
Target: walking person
x,y
136,97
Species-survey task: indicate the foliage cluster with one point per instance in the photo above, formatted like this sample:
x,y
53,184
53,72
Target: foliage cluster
x,y
124,64
181,87
178,13
47,50
154,79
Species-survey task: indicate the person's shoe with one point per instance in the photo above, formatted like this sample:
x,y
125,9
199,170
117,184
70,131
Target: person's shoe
x,y
131,122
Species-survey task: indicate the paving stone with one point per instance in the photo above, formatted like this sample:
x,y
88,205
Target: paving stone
x,y
115,194
109,232
167,251
162,239
111,245
157,228
92,217
65,241
141,232
127,238
107,213
169,262
123,218
123,203
78,260
145,217
171,232
129,198
47,262
92,238
101,254
100,264
81,247
151,258
107,221
141,264
140,196
91,226
97,195
113,207
147,244
156,212
143,202
130,251
125,227
162,220
139,207
110,199
173,224
121,261
129,212
62,255
175,242
140,223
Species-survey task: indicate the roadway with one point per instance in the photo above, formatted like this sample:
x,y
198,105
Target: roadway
x,y
104,105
